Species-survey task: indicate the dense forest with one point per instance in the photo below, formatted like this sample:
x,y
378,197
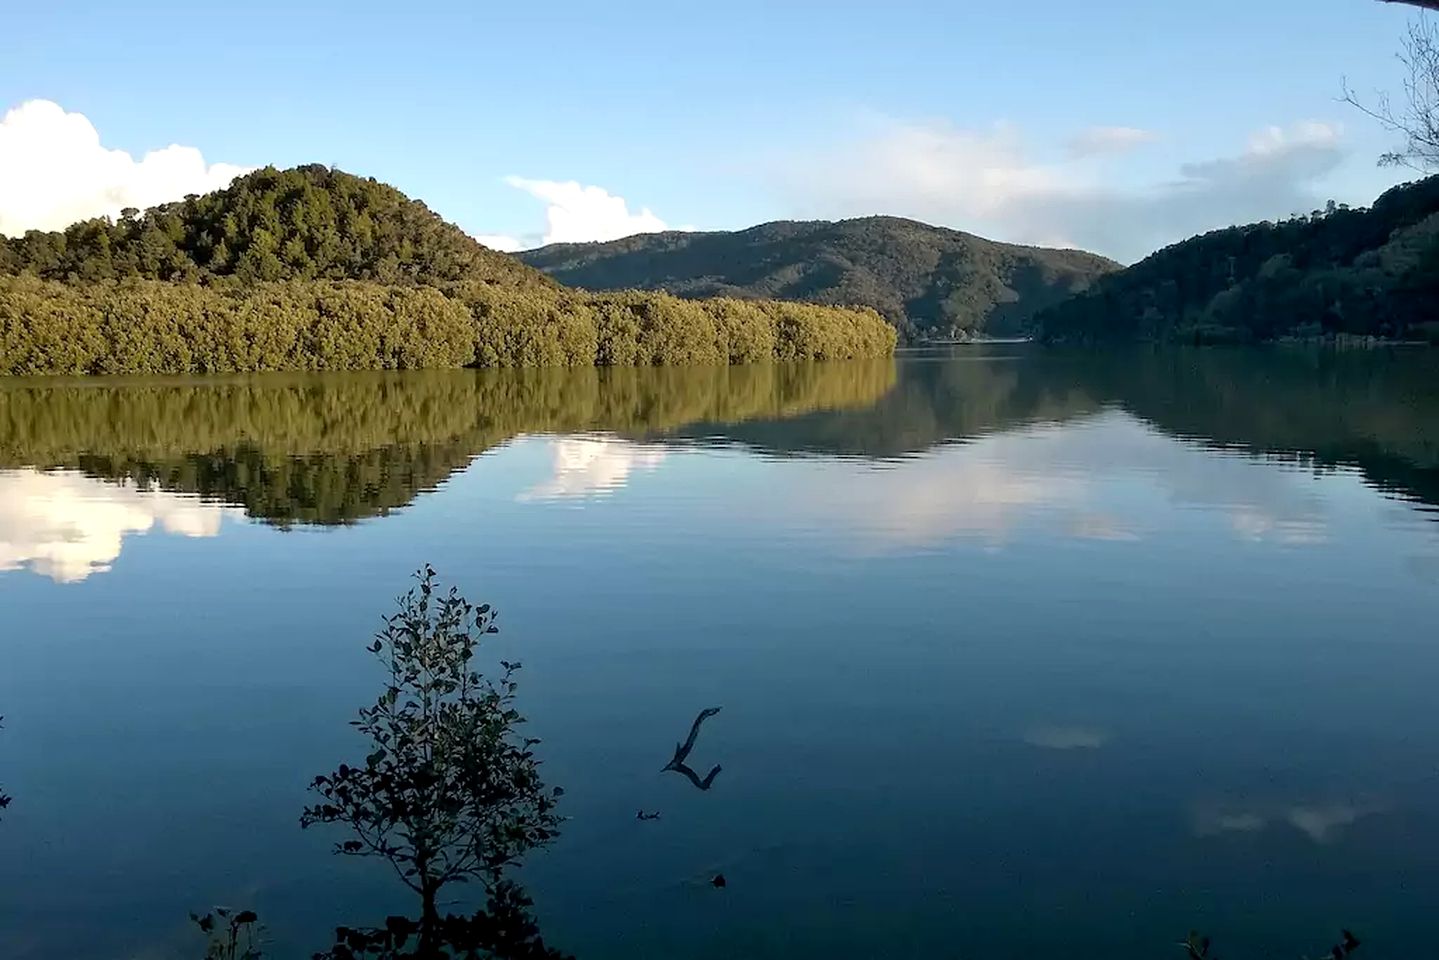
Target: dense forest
x,y
315,269
1371,272
927,281
305,223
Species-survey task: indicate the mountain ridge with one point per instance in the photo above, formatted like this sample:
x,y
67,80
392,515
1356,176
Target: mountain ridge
x,y
924,279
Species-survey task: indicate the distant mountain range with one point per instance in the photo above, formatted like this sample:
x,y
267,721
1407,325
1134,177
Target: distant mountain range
x,y
925,280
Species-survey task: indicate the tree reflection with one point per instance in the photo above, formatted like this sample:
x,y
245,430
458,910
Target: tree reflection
x,y
504,929
335,448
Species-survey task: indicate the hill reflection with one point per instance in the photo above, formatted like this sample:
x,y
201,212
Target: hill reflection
x,y
331,449
327,449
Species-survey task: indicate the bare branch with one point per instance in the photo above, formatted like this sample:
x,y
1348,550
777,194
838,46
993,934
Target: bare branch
x,y
1417,120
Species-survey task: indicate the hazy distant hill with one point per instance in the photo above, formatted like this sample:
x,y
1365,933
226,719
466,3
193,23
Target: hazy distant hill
x,y
918,276
1371,272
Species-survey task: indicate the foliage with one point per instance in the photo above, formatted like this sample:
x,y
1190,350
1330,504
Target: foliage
x,y
306,223
149,326
1336,272
449,792
503,929
315,269
922,279
230,934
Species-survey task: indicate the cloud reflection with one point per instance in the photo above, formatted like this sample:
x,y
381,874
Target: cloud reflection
x,y
592,466
1066,738
67,526
1107,479
1321,822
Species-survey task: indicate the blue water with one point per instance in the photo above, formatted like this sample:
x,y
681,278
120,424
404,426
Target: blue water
x,y
1018,654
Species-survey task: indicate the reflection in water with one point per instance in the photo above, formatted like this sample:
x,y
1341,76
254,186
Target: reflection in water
x,y
1042,479
1041,591
1321,822
1066,738
592,466
338,448
334,448
678,763
66,526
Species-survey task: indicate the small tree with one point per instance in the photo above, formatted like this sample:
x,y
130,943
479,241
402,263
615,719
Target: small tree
x,y
230,935
449,792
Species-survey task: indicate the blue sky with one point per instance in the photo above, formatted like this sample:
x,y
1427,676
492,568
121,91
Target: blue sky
x,y
1117,126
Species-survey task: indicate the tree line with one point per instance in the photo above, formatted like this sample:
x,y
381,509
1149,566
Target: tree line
x,y
315,269
151,326
1334,272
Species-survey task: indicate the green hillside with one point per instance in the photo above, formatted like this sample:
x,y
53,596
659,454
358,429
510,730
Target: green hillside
x,y
315,269
1371,272
922,279
305,223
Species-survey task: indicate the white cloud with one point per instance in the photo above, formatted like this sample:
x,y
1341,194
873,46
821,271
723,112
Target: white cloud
x,y
1097,141
66,526
576,213
592,466
990,182
53,171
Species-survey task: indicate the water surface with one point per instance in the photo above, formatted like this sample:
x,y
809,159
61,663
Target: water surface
x,y
1019,653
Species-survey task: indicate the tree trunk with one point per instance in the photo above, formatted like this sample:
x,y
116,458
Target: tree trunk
x,y
429,945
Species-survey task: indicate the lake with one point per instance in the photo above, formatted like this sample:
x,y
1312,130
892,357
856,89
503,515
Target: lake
x,y
1019,653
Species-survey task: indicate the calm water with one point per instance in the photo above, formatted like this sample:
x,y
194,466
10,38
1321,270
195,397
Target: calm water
x,y
1019,654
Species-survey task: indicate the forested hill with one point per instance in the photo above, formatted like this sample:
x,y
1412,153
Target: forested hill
x,y
314,269
304,223
921,278
1370,272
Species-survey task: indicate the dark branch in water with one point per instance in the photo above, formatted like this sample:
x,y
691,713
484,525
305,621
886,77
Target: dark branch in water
x,y
4,797
694,778
682,752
